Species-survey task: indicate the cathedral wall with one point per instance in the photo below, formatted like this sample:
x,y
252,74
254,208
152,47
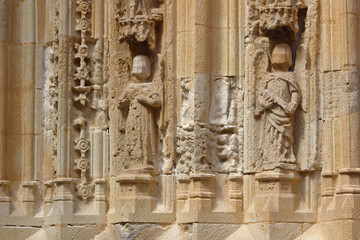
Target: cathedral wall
x,y
184,119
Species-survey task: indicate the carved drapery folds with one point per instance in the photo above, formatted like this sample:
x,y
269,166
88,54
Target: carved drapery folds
x,y
137,20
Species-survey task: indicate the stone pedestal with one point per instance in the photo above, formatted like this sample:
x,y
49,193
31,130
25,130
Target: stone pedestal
x,y
59,203
48,198
136,198
349,181
199,202
28,198
63,199
26,215
344,202
328,184
100,198
236,192
277,197
4,198
196,199
277,191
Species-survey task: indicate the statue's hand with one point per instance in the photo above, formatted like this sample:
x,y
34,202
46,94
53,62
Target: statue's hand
x,y
123,103
152,101
258,112
142,99
290,108
265,100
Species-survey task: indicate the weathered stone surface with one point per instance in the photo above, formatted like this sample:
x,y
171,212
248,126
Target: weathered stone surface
x,y
179,119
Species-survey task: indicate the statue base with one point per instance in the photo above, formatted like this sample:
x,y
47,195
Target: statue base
x,y
344,201
277,200
137,192
196,198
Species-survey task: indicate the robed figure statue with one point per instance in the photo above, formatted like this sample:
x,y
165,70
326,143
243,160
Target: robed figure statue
x,y
138,101
279,97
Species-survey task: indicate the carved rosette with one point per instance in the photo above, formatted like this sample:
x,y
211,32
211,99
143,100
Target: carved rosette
x,y
137,21
82,145
82,88
82,75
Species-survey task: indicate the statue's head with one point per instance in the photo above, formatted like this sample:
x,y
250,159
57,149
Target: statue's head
x,y
141,67
282,57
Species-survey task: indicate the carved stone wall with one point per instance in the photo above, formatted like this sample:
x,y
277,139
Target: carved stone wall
x,y
179,119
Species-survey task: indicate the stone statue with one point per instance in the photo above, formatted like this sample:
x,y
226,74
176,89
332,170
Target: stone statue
x,y
279,97
138,102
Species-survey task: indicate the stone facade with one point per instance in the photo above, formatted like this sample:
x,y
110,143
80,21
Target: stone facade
x,y
180,119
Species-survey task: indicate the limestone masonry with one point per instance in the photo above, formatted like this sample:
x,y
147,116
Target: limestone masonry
x,y
179,119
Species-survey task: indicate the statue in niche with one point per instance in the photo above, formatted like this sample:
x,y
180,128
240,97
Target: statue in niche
x,y
279,97
138,102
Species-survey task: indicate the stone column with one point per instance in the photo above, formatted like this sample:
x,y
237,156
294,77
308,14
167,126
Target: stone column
x,y
339,71
100,137
350,119
4,199
194,37
3,82
63,199
330,132
28,39
99,158
98,19
201,77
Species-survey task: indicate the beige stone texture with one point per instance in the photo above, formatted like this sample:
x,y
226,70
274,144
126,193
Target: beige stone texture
x,y
179,119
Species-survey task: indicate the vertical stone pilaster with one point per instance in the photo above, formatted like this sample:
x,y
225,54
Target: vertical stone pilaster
x,y
5,200
99,157
28,40
350,120
63,198
3,83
